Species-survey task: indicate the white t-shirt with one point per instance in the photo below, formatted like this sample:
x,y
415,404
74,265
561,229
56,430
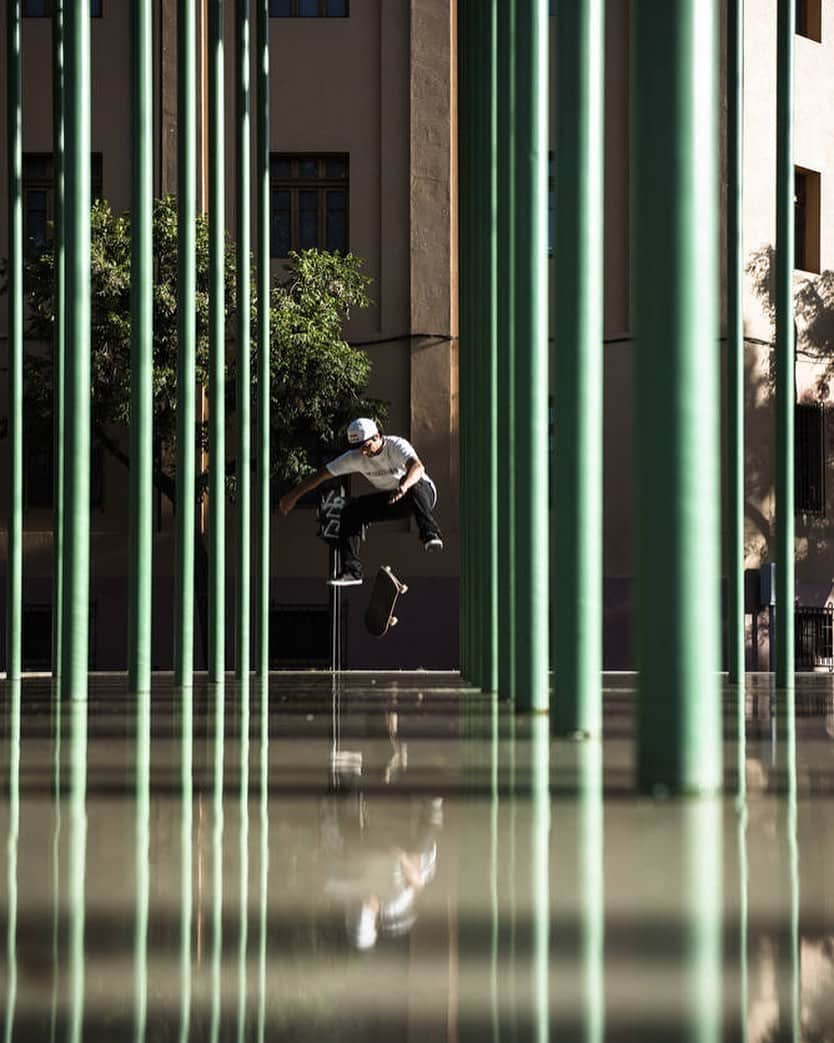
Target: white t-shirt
x,y
385,470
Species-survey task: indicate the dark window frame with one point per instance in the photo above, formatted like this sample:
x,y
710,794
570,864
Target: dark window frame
x,y
39,176
809,19
296,6
96,9
810,459
321,184
807,192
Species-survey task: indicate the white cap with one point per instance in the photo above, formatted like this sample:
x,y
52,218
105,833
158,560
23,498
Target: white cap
x,y
359,431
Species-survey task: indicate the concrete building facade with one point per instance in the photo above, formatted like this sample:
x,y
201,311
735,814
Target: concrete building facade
x,y
370,86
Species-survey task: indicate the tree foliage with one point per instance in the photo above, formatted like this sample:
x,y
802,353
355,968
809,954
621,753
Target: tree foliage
x,y
318,381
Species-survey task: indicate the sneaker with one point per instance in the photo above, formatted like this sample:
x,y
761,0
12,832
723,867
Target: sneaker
x,y
433,542
346,579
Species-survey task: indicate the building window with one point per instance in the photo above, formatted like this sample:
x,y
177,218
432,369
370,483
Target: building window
x,y
299,636
810,458
38,469
39,196
43,8
309,203
308,8
809,19
806,220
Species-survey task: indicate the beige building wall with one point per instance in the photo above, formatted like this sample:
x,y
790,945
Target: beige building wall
x,y
377,86
381,86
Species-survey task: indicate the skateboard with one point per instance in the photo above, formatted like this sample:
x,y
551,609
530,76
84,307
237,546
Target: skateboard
x,y
379,616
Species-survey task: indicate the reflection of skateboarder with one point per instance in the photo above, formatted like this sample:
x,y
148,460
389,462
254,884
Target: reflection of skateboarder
x,y
391,465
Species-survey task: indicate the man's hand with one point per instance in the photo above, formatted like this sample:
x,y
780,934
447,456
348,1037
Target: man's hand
x,y
397,494
286,503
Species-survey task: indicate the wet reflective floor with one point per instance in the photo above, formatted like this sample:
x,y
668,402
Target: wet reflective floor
x,y
399,859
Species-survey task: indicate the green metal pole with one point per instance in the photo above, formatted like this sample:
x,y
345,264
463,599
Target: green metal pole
x,y
675,266
14,144
735,344
263,392
186,341
59,343
506,348
217,349
475,360
141,352
465,265
576,585
489,347
785,347
77,394
243,363
532,683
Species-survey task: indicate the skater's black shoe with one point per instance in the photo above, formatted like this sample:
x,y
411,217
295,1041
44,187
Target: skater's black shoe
x,y
345,579
433,542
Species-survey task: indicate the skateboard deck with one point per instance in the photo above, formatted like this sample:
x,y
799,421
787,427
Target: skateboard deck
x,y
379,617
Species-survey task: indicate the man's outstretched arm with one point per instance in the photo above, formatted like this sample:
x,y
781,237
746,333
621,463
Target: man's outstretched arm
x,y
290,499
412,476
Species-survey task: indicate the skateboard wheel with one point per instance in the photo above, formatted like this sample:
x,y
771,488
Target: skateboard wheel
x,y
403,590
393,621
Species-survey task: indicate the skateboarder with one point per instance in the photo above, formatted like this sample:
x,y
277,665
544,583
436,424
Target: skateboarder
x,y
391,465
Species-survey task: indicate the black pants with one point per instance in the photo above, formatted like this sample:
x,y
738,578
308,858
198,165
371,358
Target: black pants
x,y
418,501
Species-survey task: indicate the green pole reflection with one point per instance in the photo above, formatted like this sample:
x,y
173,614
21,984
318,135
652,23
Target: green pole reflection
x,y
788,970
56,858
217,854
493,866
741,809
264,687
703,914
13,689
540,873
77,864
578,867
244,859
186,859
140,942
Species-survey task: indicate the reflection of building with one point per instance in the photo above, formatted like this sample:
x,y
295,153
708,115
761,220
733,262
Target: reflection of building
x,y
366,157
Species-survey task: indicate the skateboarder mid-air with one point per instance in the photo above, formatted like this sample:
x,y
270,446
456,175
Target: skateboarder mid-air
x,y
392,466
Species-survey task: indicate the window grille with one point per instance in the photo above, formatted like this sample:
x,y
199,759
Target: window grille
x,y
810,459
813,638
39,196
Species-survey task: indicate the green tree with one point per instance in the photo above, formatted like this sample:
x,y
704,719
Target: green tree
x,y
317,380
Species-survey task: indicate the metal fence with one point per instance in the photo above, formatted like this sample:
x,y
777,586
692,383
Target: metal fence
x,y
815,638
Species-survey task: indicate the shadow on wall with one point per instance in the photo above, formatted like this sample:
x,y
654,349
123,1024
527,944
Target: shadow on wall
x,y
813,372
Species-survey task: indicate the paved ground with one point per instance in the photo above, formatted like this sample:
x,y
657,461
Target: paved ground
x,y
395,857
